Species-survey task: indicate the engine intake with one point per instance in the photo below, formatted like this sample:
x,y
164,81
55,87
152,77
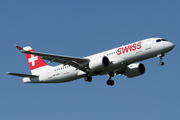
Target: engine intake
x,y
134,70
99,63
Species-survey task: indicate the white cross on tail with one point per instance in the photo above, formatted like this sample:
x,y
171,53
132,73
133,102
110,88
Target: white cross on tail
x,y
33,59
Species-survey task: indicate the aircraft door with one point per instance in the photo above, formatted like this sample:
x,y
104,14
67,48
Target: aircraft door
x,y
148,44
49,73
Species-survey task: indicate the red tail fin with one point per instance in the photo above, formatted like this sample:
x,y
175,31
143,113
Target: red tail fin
x,y
33,60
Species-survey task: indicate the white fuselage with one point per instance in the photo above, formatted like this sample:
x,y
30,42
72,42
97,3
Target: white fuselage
x,y
119,58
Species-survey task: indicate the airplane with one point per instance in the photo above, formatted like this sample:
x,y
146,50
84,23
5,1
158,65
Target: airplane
x,y
120,60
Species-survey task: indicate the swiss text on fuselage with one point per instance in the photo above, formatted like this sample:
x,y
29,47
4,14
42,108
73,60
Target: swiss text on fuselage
x,y
129,48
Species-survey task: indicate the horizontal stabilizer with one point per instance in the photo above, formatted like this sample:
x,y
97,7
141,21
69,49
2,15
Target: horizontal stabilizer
x,y
21,75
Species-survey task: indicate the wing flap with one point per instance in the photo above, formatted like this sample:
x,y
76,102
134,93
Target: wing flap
x,y
21,75
77,64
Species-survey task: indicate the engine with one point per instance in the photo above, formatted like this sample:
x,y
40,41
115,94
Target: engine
x,y
99,63
134,70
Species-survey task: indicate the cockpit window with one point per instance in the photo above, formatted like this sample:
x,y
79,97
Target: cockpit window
x,y
159,40
164,40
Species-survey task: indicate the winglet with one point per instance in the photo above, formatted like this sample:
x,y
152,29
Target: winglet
x,y
23,50
19,48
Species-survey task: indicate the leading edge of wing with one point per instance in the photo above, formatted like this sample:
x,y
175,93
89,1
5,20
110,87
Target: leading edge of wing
x,y
65,58
76,62
21,75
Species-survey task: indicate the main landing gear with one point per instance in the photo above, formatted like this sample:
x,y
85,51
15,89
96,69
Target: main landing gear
x,y
161,62
109,81
88,78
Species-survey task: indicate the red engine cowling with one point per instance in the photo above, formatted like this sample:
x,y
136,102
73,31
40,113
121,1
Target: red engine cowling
x,y
134,70
99,63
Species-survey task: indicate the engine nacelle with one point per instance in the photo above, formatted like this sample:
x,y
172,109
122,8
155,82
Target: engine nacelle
x,y
99,63
134,70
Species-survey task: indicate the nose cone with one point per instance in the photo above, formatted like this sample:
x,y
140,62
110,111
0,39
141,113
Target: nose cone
x,y
170,46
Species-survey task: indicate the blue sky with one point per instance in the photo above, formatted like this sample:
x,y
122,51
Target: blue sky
x,y
82,28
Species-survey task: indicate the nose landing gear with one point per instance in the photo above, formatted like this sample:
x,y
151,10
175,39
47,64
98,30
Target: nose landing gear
x,y
161,62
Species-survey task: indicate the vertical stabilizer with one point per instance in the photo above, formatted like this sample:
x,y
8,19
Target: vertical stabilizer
x,y
35,62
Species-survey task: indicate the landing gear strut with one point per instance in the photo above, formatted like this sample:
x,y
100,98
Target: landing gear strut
x,y
109,81
161,62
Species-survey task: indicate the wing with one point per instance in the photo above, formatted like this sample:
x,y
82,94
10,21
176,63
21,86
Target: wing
x,y
21,75
78,63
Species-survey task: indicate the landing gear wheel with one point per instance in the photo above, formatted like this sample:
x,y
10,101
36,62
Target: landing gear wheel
x,y
110,82
88,78
161,63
